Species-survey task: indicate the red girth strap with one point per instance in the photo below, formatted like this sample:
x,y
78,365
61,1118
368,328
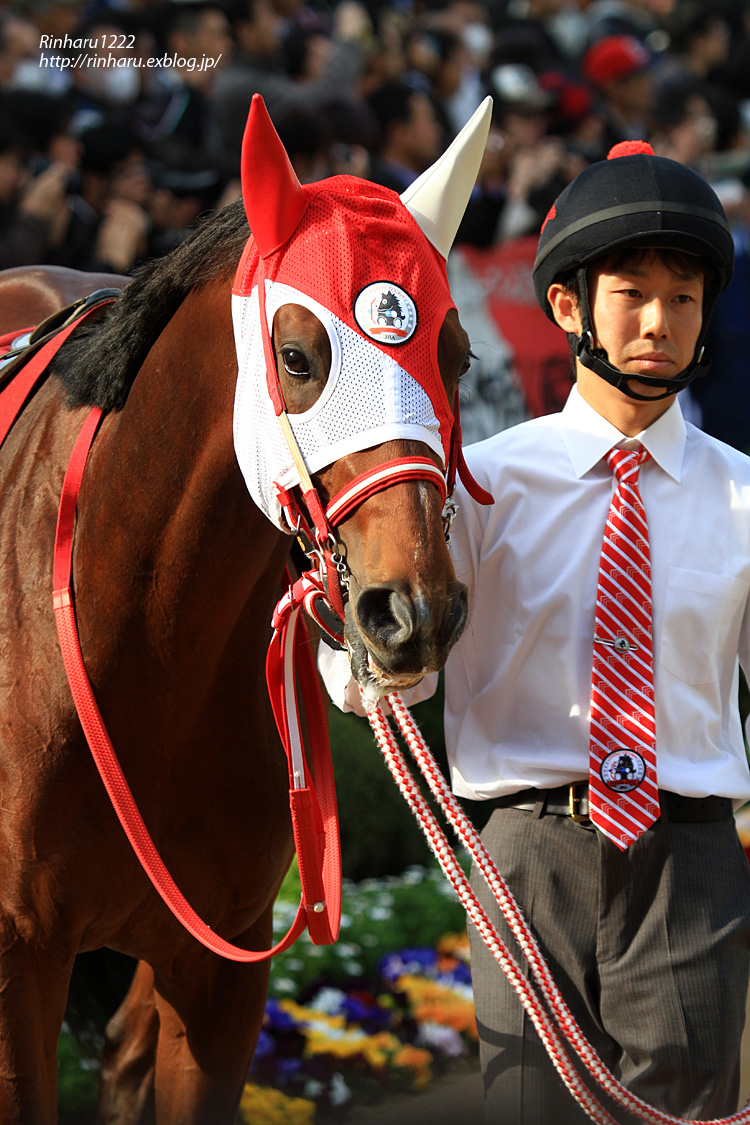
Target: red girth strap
x,y
315,822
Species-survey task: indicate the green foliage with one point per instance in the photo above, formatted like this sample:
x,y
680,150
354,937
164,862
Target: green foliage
x,y
379,834
379,916
77,1081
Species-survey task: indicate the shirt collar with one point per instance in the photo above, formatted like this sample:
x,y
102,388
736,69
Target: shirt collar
x,y
589,437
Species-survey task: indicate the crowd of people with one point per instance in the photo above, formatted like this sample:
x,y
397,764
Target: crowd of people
x,y
121,120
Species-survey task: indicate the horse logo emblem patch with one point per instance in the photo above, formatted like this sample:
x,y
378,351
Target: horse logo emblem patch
x,y
386,313
623,770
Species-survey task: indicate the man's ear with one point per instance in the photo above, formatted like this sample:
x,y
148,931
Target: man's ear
x,y
565,307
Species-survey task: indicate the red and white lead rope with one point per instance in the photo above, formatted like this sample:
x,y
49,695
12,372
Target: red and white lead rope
x,y
546,1025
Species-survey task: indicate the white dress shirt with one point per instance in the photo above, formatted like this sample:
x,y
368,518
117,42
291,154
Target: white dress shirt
x,y
518,682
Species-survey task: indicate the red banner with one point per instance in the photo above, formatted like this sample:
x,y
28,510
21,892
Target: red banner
x,y
523,365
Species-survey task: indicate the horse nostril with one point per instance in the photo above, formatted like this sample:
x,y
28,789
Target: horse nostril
x,y
387,616
411,629
454,617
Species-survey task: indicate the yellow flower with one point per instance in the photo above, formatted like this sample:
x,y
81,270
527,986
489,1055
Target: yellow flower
x,y
433,1002
417,1060
262,1105
455,945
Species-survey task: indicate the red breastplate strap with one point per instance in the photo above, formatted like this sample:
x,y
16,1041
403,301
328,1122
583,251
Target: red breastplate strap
x,y
24,383
314,819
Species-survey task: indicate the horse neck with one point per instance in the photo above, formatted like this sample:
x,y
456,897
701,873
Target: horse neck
x,y
169,538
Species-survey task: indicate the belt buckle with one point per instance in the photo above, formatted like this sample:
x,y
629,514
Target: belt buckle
x,y
574,800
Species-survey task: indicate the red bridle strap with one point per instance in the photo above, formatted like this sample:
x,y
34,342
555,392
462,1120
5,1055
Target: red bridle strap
x,y
314,821
345,502
375,480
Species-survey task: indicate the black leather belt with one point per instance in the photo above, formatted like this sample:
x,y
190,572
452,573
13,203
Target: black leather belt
x,y
573,801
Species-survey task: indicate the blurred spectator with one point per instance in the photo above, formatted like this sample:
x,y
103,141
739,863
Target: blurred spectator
x,y
109,219
521,105
619,68
56,18
45,122
685,126
19,44
410,135
724,395
700,39
175,111
181,193
642,19
307,137
33,212
435,62
574,116
526,42
109,78
259,66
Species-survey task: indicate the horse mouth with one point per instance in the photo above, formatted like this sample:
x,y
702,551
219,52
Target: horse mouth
x,y
390,680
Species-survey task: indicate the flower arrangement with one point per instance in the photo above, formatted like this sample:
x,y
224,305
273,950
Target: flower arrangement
x,y
387,1008
350,1022
742,820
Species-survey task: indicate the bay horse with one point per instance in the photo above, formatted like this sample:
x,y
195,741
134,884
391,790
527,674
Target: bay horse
x,y
176,573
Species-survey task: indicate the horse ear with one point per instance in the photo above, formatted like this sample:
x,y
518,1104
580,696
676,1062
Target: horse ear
x,y
273,196
438,199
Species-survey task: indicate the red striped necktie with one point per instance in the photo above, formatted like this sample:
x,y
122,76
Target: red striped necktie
x,y
623,788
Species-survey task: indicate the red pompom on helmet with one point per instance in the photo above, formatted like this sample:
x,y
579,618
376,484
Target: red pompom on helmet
x,y
630,148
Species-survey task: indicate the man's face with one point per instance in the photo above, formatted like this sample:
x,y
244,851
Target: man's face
x,y
633,96
421,134
646,317
211,39
12,177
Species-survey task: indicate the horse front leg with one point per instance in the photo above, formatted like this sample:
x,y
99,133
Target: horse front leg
x,y
33,993
209,1025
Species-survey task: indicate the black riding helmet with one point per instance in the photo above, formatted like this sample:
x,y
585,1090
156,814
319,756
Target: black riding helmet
x,y
632,198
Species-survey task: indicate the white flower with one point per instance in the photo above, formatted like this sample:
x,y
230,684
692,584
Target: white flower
x,y
328,1000
347,949
340,1093
284,984
380,913
313,1089
445,1039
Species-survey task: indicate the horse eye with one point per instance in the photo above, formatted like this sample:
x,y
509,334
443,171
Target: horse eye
x,y
295,362
466,365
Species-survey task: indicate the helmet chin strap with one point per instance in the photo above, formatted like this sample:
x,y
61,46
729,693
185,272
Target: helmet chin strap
x,y
595,359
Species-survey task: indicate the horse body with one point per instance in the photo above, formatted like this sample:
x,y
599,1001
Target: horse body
x,y
176,572
168,660
165,523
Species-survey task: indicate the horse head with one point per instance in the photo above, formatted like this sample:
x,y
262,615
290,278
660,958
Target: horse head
x,y
350,352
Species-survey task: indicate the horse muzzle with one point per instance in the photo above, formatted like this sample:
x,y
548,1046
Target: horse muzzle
x,y
395,636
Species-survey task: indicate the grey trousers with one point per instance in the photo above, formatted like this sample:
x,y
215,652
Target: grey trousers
x,y
650,949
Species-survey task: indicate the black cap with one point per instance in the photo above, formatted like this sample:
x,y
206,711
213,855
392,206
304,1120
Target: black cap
x,y
632,198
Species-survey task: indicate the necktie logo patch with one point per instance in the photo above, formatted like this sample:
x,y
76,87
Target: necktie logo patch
x,y
386,313
623,770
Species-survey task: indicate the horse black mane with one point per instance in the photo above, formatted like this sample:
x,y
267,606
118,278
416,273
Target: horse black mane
x,y
99,362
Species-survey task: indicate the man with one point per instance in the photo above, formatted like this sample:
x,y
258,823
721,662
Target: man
x,y
619,67
175,113
410,135
259,66
591,705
